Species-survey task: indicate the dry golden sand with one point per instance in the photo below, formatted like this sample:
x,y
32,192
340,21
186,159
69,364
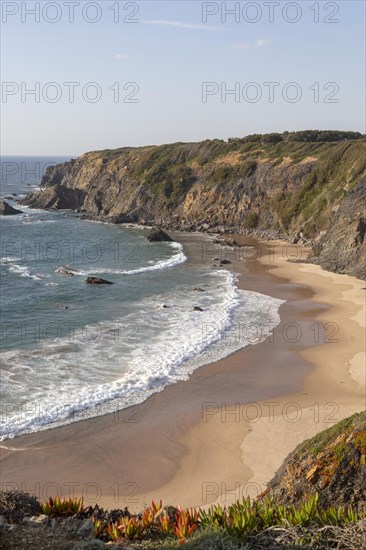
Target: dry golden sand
x,y
334,389
225,431
331,391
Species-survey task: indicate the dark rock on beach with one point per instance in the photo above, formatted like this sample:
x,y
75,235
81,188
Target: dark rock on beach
x,y
97,281
158,235
225,242
7,210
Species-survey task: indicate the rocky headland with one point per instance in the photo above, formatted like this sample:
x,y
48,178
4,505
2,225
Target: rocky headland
x,y
307,187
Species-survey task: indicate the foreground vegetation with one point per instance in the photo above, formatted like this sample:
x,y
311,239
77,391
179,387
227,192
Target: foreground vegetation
x,y
232,525
316,500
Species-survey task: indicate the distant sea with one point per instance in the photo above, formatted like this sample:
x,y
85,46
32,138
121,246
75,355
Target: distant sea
x,y
71,351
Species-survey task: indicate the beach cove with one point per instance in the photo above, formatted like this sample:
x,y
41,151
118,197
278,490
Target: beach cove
x,y
224,432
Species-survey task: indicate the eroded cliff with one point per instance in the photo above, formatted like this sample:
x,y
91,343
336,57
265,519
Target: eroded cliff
x,y
304,185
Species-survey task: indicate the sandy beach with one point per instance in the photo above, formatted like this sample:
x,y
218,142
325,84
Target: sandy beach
x,y
224,432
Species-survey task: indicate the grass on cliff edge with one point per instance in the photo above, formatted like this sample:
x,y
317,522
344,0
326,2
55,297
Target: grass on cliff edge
x,y
317,443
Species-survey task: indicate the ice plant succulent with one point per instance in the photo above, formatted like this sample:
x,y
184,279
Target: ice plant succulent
x,y
131,528
186,521
98,527
165,525
150,514
62,507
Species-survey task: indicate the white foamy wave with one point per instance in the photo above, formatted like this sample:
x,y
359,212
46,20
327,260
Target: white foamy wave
x,y
29,220
9,259
176,259
124,362
24,271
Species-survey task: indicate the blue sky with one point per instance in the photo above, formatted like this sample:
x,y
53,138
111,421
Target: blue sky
x,y
168,54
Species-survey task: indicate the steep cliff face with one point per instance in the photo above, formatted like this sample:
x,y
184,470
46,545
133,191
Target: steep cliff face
x,y
290,183
343,247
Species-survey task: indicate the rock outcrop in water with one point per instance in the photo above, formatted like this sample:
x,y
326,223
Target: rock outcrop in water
x,y
7,210
66,270
303,186
97,281
158,235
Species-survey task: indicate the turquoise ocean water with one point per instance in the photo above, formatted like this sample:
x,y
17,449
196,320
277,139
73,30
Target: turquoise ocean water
x,y
71,351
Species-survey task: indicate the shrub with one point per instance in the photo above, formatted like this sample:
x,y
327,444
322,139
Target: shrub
x,y
252,220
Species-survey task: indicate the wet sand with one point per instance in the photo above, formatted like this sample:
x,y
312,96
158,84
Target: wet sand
x,y
225,431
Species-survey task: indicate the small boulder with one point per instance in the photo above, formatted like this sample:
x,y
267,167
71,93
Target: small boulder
x,y
229,242
66,270
37,520
97,281
158,235
169,511
197,308
7,210
225,262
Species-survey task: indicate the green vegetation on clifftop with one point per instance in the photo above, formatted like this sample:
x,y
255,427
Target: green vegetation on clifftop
x,y
290,184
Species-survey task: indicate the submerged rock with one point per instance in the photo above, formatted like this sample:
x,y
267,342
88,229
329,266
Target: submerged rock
x,y
66,270
199,289
97,281
7,210
158,235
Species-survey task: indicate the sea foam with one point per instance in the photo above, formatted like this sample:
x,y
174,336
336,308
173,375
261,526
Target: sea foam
x,y
123,362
